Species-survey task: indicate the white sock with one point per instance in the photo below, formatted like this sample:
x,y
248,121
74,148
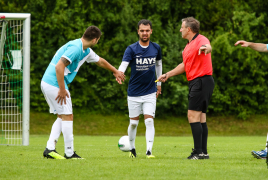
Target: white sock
x,y
150,131
67,131
132,131
266,143
54,135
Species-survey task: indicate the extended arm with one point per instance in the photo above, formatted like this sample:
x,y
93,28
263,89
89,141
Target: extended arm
x,y
176,71
255,46
118,74
60,66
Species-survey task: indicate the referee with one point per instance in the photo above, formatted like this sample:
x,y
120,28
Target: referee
x,y
198,67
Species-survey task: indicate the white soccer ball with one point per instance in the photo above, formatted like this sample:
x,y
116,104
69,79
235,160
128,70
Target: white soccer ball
x,y
123,143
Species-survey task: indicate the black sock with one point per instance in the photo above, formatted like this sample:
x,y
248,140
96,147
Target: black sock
x,y
197,135
204,137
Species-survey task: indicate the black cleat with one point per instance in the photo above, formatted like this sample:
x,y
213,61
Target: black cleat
x,y
53,154
132,153
205,156
149,155
195,156
74,156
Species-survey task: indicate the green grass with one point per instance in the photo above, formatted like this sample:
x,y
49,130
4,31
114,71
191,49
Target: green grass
x,y
97,124
230,158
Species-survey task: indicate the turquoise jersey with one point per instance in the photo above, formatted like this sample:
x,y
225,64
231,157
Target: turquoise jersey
x,y
73,52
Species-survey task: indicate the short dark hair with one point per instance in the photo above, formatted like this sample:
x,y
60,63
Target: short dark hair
x,y
193,23
145,22
92,32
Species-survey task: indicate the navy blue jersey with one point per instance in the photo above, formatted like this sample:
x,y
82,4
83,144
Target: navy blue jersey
x,y
142,62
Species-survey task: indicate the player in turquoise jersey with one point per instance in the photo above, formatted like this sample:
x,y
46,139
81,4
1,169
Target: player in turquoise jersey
x,y
261,48
60,72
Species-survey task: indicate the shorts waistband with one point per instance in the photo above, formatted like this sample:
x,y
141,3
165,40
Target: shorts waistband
x,y
196,79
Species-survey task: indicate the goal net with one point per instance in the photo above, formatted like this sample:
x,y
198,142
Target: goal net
x,y
14,78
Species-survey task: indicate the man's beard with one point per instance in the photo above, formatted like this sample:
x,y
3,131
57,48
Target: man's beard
x,y
146,40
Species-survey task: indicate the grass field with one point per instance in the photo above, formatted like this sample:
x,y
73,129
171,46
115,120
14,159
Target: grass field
x,y
230,158
97,124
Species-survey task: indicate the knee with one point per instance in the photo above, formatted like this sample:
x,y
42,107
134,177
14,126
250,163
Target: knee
x,y
194,116
133,123
149,122
190,116
68,117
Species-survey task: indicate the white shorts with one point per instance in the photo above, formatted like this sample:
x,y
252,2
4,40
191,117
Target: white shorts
x,y
142,105
51,92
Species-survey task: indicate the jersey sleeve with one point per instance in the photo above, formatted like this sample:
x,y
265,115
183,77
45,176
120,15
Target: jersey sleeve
x,y
128,55
92,57
204,41
72,53
159,55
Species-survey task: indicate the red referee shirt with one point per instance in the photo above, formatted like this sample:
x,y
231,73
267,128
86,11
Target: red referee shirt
x,y
196,65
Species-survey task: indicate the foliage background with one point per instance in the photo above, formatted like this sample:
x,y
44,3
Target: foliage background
x,y
240,73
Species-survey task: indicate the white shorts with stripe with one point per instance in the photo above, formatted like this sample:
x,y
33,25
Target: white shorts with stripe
x,y
142,105
51,92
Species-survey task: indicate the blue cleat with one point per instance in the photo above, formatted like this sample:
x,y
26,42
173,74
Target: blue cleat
x,y
259,154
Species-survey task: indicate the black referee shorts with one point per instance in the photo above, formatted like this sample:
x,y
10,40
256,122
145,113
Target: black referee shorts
x,y
200,92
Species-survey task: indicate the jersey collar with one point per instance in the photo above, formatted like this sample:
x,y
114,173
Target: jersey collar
x,y
143,46
194,37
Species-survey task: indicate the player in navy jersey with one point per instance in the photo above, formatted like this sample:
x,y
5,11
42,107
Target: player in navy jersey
x,y
60,72
145,59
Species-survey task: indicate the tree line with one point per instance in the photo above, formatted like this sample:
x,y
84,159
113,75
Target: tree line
x,y
240,73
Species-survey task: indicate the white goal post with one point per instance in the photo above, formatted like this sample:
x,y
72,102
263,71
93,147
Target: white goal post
x,y
14,78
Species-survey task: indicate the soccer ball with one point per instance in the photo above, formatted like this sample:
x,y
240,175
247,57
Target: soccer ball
x,y
123,143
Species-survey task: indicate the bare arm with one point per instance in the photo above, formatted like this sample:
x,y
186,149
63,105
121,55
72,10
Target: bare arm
x,y
176,71
255,46
118,74
60,66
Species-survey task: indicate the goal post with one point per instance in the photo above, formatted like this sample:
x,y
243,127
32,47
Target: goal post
x,y
14,78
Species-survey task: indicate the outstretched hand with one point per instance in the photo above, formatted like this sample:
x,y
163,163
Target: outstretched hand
x,y
119,76
242,43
